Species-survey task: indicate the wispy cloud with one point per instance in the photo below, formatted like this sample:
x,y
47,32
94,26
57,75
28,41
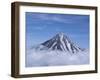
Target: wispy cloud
x,y
39,27
55,18
58,17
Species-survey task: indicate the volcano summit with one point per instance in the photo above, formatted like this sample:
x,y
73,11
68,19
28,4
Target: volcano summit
x,y
60,42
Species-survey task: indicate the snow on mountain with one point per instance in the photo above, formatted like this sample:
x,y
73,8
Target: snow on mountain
x,y
61,42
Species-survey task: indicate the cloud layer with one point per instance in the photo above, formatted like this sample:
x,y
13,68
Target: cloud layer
x,y
55,58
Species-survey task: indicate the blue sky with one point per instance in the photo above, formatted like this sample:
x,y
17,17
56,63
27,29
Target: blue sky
x,y
43,26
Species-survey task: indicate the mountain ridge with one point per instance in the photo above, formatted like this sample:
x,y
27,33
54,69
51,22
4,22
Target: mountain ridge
x,y
61,42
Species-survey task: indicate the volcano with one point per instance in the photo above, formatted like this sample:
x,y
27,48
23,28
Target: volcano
x,y
60,42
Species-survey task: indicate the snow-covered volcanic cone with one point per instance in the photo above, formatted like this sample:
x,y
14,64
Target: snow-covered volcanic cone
x,y
60,42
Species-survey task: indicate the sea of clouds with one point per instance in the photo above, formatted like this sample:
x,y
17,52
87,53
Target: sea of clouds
x,y
55,58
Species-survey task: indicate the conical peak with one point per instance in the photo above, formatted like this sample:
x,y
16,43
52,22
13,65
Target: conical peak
x,y
61,34
61,42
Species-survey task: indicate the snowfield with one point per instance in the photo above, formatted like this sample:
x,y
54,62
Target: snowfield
x,y
55,58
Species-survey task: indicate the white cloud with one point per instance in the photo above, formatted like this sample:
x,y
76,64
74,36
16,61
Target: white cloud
x,y
56,18
54,58
40,27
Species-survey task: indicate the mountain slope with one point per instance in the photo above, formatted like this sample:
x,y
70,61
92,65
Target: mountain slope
x,y
62,43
